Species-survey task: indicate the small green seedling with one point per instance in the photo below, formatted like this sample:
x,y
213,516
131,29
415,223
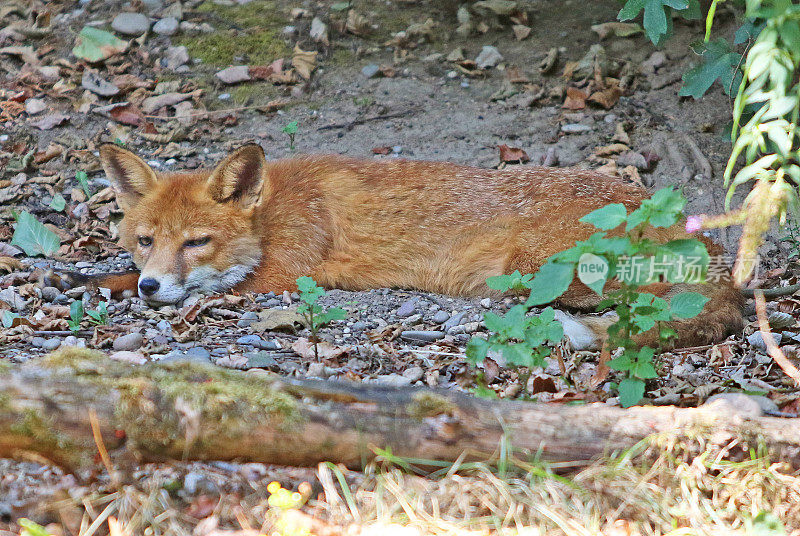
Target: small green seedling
x,y
77,313
83,180
290,130
315,315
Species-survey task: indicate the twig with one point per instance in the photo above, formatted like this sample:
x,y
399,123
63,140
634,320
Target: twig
x,y
763,325
101,447
700,158
772,292
354,122
208,112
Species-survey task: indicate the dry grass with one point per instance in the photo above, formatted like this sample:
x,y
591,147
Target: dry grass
x,y
653,490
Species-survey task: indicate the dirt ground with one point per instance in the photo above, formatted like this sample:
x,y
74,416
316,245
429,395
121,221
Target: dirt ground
x,y
375,95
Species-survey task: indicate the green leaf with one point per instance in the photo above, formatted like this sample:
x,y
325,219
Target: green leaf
x,y
340,6
58,203
503,283
719,62
655,20
631,392
550,282
76,311
336,313
477,348
30,528
8,318
94,45
290,128
83,180
631,9
608,217
687,304
33,237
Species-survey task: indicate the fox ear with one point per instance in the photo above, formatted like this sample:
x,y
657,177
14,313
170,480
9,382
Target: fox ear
x,y
130,176
239,178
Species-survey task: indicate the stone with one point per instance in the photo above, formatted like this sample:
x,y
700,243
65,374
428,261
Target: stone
x,y
316,370
575,128
486,303
422,336
370,71
454,321
407,308
489,57
198,353
234,75
414,374
392,380
51,344
97,85
261,360
50,293
175,57
128,342
131,23
756,340
748,405
34,106
38,342
166,26
440,317
249,340
128,357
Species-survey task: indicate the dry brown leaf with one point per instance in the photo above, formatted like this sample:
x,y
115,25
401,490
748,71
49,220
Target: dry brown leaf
x,y
607,150
304,61
516,76
512,154
326,350
278,320
357,24
10,264
606,98
576,99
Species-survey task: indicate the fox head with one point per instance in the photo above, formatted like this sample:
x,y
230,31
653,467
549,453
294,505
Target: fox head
x,y
188,232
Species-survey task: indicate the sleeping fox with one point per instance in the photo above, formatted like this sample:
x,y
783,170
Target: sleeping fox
x,y
251,225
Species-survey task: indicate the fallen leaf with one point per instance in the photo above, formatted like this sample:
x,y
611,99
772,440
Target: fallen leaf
x,y
620,29
10,264
357,24
319,31
50,121
26,54
95,45
576,99
326,350
304,61
607,150
152,104
516,76
382,150
264,72
521,31
549,62
512,154
606,98
543,384
125,356
33,237
278,320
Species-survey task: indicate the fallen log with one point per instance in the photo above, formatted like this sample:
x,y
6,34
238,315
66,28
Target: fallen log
x,y
187,411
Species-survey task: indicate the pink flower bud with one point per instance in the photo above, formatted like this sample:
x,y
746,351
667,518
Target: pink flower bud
x,y
694,224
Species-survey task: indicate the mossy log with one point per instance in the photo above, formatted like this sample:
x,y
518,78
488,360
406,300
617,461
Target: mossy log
x,y
185,411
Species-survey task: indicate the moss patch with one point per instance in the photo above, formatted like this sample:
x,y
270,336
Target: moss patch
x,y
430,405
246,34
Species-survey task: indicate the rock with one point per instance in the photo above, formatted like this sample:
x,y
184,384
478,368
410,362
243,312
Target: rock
x,y
632,158
407,308
319,31
488,58
575,128
50,73
454,321
51,344
38,342
249,340
174,10
195,482
422,336
198,353
34,106
392,380
414,374
289,31
166,26
131,23
164,326
97,85
72,340
175,57
757,341
486,303
234,75
261,360
50,293
129,342
370,71
358,326
152,6
440,317
779,320
129,357
747,405
269,345
316,370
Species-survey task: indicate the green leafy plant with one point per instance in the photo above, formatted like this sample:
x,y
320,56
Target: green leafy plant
x,y
657,18
77,313
83,180
315,315
33,237
632,258
58,203
290,130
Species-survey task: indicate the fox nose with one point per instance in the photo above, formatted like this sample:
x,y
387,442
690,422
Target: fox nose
x,y
148,286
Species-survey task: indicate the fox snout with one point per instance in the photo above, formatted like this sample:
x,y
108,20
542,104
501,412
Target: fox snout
x,y
161,289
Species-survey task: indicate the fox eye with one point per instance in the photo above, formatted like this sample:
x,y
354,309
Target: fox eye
x,y
197,242
145,241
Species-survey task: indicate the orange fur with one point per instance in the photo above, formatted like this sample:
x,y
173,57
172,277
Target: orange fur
x,y
359,224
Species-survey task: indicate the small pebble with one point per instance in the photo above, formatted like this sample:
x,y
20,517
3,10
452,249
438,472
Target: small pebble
x,y
52,344
249,340
422,336
407,308
440,317
414,374
486,303
166,26
130,23
371,70
129,342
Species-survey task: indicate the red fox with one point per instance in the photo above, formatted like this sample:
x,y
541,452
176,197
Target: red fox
x,y
254,225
